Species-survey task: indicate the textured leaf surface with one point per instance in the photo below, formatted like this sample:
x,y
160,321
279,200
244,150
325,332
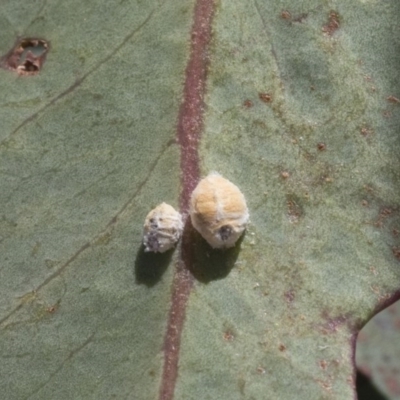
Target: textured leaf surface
x,y
296,114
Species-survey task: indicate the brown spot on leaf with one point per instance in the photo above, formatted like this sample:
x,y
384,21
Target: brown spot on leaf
x,y
384,299
294,209
351,381
323,364
393,99
52,309
289,296
384,213
375,289
248,103
369,189
321,146
285,174
265,97
396,252
282,347
26,57
332,324
260,370
325,384
285,14
228,336
332,25
366,131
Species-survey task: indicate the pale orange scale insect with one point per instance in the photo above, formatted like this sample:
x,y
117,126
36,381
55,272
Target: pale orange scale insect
x,y
162,228
218,211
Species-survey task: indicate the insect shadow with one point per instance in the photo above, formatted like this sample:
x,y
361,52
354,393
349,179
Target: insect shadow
x,y
150,266
212,264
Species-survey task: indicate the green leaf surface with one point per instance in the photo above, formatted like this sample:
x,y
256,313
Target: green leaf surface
x,y
296,114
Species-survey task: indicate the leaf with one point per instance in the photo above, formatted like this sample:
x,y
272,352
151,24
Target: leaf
x,y
294,103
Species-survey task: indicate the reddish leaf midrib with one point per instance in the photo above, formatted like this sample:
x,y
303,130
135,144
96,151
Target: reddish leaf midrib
x,y
189,128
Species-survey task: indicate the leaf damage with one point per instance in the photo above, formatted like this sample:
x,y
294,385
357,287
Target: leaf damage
x,y
26,57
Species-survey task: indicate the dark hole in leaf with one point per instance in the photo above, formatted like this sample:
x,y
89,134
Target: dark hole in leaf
x,y
30,66
26,57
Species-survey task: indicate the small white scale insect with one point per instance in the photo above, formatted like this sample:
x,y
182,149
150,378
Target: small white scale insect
x,y
218,211
162,228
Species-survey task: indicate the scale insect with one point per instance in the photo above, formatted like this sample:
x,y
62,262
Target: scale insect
x,y
162,229
218,211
